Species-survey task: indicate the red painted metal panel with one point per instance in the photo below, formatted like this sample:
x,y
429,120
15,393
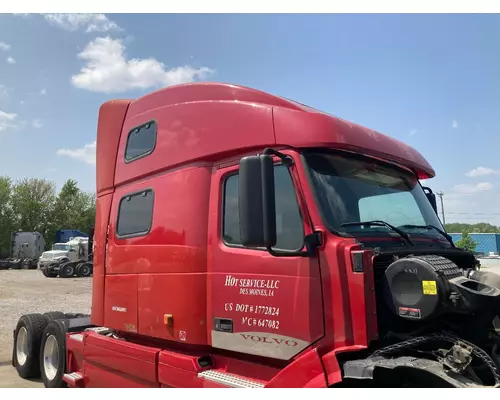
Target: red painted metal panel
x,y
300,129
196,131
74,353
275,303
131,364
103,207
176,369
183,296
120,303
207,91
110,123
98,377
306,371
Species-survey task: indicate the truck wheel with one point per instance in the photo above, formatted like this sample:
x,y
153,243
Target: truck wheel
x,y
67,270
27,337
86,269
48,270
16,264
53,315
78,270
53,354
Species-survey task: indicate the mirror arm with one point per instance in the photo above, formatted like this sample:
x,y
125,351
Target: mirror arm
x,y
287,160
312,242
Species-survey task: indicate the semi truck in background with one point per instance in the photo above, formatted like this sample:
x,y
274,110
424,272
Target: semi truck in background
x,y
25,249
247,240
73,258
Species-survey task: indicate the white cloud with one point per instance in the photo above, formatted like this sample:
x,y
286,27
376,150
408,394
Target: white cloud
x,y
10,60
43,92
454,124
107,70
86,22
37,124
466,188
85,154
481,171
7,121
4,46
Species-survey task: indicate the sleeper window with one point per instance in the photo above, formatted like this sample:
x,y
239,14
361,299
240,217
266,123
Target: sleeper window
x,y
290,231
135,214
141,141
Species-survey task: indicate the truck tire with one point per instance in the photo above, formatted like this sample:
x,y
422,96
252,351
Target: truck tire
x,y
86,269
48,271
53,315
27,338
78,270
53,354
67,270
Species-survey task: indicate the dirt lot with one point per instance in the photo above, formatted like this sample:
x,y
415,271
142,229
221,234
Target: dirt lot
x,y
28,291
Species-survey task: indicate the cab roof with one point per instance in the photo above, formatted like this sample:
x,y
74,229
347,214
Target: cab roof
x,y
212,110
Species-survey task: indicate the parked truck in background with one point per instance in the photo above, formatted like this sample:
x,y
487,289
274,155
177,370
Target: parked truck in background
x,y
73,258
25,249
247,240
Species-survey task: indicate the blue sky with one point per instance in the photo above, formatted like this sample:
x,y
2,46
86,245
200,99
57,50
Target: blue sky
x,y
429,80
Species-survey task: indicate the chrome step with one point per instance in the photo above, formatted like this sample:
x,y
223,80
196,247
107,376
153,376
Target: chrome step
x,y
229,380
73,378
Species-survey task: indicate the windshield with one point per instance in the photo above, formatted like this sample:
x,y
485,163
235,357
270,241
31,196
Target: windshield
x,y
351,189
64,247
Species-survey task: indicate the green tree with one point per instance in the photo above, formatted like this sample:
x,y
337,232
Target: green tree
x,y
466,242
7,223
73,209
33,205
480,227
32,201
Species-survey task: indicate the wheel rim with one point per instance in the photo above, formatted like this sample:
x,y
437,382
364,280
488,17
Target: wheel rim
x,y
51,357
69,270
22,346
85,271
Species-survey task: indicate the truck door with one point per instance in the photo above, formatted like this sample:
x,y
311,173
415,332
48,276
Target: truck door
x,y
260,304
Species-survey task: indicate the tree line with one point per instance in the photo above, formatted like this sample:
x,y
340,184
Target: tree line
x,y
481,227
33,205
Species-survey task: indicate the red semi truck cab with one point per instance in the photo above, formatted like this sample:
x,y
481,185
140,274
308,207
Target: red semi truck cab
x,y
168,242
243,239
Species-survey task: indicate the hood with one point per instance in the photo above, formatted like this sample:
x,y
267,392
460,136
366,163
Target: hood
x,y
49,255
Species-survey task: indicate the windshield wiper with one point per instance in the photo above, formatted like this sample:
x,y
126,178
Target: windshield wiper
x,y
401,233
429,227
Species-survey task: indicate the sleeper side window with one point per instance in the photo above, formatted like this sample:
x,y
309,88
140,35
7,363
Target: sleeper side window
x,y
141,141
290,230
135,214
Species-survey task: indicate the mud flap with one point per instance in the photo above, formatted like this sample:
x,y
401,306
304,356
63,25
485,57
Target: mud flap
x,y
364,369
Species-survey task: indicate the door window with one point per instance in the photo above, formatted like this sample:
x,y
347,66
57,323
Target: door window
x,y
289,226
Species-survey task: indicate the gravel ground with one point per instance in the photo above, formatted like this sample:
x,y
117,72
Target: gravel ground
x,y
28,291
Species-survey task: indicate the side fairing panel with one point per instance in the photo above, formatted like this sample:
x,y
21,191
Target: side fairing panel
x,y
167,265
120,303
103,207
